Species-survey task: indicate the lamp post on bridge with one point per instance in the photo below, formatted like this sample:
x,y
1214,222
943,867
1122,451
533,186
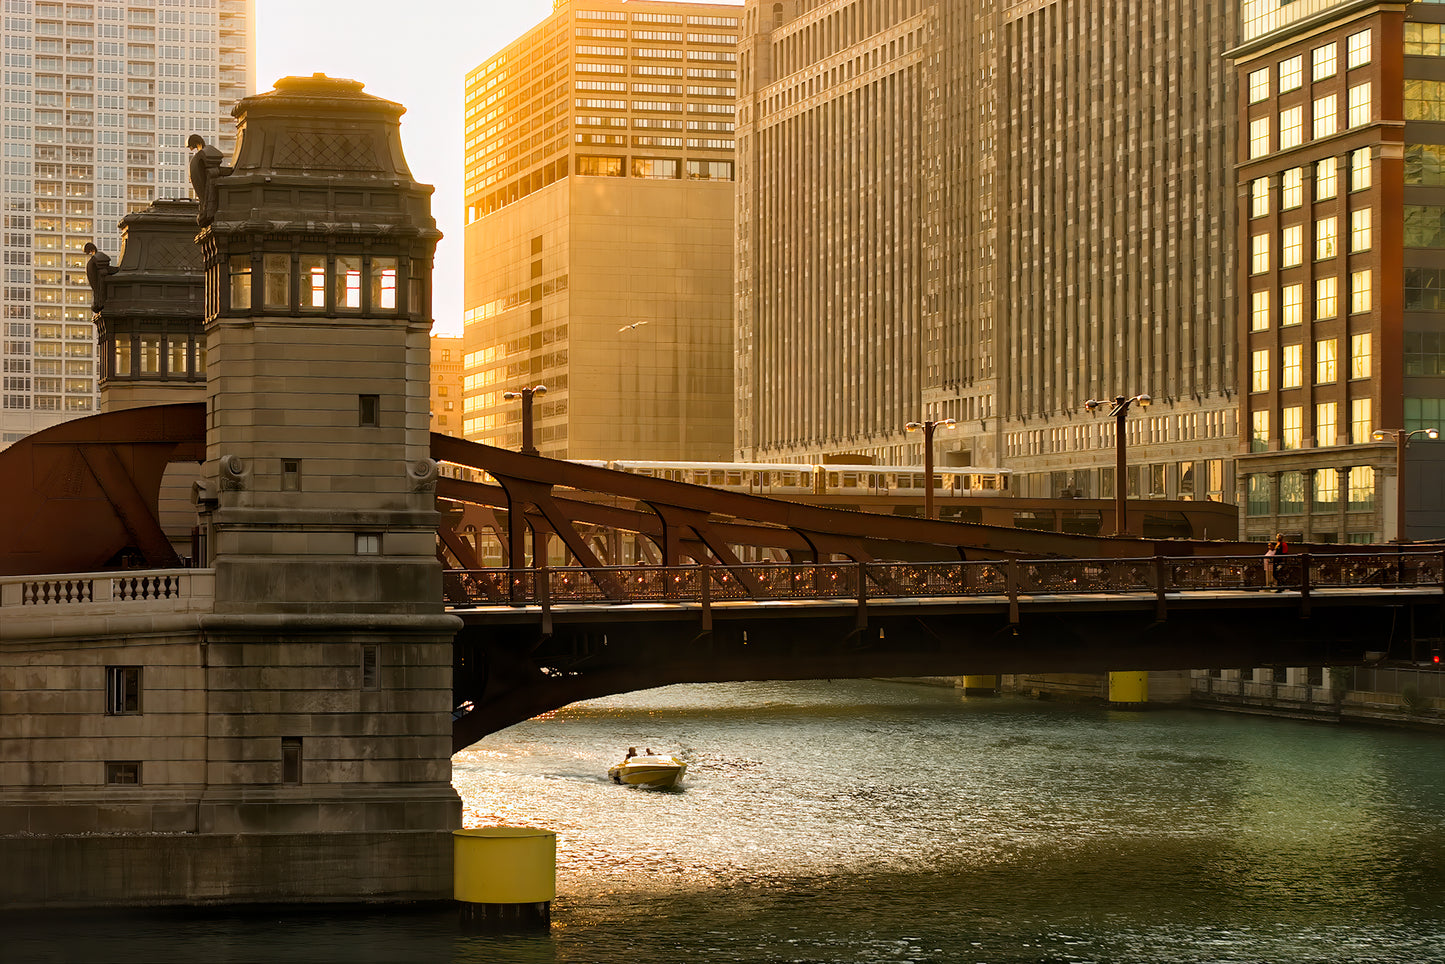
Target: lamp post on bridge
x,y
1402,439
1121,465
928,427
526,395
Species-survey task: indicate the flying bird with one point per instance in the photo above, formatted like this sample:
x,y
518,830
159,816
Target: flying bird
x,y
635,324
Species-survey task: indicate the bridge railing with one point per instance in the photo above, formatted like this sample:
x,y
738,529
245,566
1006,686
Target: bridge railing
x,y
1300,572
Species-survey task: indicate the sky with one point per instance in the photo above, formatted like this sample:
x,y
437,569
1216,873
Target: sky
x,y
416,53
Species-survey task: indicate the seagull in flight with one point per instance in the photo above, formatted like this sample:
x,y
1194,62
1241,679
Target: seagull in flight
x,y
635,324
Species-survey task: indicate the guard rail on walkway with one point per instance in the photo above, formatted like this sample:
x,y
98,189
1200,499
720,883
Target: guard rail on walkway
x,y
1162,575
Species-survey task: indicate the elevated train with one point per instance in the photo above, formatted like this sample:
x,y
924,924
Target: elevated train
x,y
783,480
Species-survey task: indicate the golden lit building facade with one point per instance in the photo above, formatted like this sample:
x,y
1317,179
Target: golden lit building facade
x,y
1341,198
990,212
599,239
446,384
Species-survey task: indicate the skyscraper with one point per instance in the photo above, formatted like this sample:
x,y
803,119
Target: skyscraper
x,y
991,212
599,235
1341,201
99,98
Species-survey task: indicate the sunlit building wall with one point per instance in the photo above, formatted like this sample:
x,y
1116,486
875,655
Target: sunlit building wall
x,y
1341,198
98,99
446,385
599,237
990,212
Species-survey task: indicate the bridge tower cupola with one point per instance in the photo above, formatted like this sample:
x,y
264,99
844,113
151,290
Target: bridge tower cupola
x,y
319,488
149,310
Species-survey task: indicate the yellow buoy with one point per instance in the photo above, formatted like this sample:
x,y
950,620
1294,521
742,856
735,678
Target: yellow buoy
x,y
1129,688
505,877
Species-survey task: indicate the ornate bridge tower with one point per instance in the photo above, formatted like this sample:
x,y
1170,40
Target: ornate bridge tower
x,y
328,654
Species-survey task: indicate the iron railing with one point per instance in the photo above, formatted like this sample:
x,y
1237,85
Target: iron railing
x,y
1302,573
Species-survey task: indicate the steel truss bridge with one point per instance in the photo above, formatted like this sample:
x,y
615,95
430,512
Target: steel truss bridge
x,y
611,582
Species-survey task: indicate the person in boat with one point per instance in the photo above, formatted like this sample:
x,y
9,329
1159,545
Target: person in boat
x,y
631,752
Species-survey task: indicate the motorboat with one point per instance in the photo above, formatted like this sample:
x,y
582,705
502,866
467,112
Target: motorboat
x,y
649,771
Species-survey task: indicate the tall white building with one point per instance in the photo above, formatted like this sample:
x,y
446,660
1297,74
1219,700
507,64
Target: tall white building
x,y
98,99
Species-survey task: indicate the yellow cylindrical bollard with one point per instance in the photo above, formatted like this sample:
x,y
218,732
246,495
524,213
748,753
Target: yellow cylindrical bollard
x,y
504,878
1128,689
980,686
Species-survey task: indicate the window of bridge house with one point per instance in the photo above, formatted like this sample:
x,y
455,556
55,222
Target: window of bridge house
x,y
240,266
383,284
122,690
276,291
313,281
348,282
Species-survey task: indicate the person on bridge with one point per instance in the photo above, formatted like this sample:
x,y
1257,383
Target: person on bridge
x,y
1277,547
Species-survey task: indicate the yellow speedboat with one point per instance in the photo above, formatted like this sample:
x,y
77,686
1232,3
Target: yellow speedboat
x,y
649,771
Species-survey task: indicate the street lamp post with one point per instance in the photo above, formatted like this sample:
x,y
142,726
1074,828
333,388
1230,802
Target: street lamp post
x,y
1402,439
928,428
526,396
1121,465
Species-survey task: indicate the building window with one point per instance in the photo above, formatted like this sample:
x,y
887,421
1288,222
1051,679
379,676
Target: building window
x,y
723,170
1257,499
291,475
1424,413
1291,127
1424,226
1360,362
1259,137
369,674
1259,370
1322,61
665,168
1291,188
1259,431
1360,169
1291,247
1362,488
1326,183
1424,353
1325,368
1258,85
1291,74
1291,493
368,543
1326,238
1259,254
1327,489
1291,427
1423,288
240,281
1357,49
277,289
1325,116
1259,311
368,410
122,690
1327,301
1325,415
1360,112
1361,291
383,284
313,281
348,282
1360,229
1425,164
1423,40
1362,421
291,760
123,772
592,165
1291,305
1290,366
1259,197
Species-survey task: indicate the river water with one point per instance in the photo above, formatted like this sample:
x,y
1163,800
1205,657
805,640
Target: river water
x,y
873,821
